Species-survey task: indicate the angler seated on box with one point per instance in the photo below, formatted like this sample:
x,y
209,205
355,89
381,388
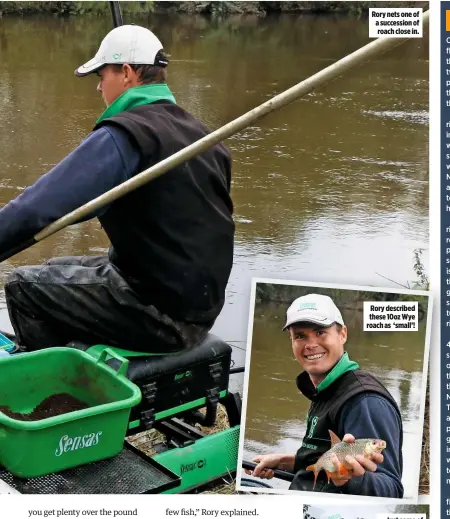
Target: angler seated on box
x,y
162,285
345,400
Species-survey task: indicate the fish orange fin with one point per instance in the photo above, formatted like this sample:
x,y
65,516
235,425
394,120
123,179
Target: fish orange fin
x,y
343,471
329,475
316,473
334,438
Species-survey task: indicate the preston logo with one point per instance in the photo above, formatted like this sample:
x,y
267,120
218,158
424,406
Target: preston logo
x,y
192,466
307,306
185,374
313,426
66,443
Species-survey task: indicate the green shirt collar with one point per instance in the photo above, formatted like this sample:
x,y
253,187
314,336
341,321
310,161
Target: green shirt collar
x,y
137,96
344,364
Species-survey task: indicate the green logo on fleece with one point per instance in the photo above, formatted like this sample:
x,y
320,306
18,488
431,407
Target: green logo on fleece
x,y
312,426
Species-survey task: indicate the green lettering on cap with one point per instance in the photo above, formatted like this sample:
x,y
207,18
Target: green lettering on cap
x,y
304,306
116,56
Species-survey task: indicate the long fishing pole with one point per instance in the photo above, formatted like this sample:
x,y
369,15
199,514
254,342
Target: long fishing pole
x,y
116,14
329,73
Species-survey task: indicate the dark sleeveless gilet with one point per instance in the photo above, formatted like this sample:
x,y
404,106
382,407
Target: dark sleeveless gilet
x,y
173,237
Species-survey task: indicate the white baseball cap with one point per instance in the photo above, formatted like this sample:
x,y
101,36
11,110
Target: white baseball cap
x,y
125,44
313,308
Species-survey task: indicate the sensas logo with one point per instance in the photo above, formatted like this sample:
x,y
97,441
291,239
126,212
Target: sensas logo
x,y
66,443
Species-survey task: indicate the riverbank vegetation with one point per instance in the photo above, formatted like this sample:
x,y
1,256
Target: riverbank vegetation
x,y
71,8
218,8
344,299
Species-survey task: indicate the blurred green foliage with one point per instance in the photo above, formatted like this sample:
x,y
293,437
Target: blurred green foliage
x,y
344,299
71,8
214,8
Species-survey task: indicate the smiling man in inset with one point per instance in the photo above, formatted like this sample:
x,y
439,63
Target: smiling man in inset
x,y
344,399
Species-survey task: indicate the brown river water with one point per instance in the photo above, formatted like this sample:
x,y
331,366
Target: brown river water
x,y
333,188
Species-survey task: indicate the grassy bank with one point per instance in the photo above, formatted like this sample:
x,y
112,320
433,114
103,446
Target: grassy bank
x,y
424,478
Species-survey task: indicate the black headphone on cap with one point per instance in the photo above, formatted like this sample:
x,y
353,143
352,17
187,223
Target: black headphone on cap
x,y
161,59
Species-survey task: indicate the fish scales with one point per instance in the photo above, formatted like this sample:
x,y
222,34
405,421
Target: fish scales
x,y
341,450
361,447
